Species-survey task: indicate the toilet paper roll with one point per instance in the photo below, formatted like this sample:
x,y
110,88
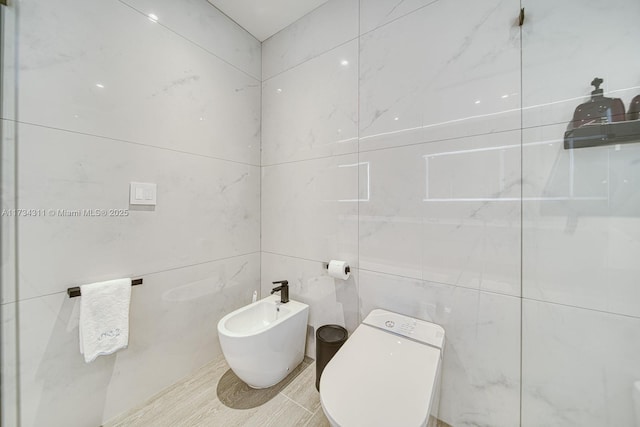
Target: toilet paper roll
x,y
339,269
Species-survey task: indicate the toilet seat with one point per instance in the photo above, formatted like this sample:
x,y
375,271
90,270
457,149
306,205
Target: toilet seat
x,y
383,375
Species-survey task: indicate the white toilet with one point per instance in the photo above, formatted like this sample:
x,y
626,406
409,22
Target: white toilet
x,y
386,374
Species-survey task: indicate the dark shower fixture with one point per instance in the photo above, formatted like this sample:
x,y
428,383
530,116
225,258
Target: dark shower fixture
x,y
634,109
602,121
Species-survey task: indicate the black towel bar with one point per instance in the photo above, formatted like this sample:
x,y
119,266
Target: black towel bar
x,y
75,291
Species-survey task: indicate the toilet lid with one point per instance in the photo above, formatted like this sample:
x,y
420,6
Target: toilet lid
x,y
380,379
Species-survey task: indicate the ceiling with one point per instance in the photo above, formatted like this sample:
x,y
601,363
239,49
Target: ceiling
x,y
264,18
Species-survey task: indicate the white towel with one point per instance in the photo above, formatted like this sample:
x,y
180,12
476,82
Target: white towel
x,y
104,317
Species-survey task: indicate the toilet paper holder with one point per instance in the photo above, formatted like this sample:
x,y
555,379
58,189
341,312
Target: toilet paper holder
x,y
325,265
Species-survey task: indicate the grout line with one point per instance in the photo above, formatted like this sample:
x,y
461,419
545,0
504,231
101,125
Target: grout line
x,y
142,144
328,156
452,138
144,274
290,399
293,256
303,16
234,21
358,36
311,58
312,417
610,313
166,27
359,150
396,19
485,291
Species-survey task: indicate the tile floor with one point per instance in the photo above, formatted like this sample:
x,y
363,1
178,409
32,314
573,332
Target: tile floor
x,y
215,396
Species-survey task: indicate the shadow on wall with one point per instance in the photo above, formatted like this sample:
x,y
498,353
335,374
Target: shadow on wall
x,y
62,368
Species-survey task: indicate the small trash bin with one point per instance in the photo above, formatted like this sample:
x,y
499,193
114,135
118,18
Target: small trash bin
x,y
329,339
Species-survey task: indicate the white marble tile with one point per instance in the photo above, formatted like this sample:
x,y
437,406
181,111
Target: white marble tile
x,y
134,80
207,209
438,73
331,301
565,45
326,27
581,223
471,220
473,244
390,218
312,110
173,321
204,25
8,369
424,219
309,209
481,361
578,367
374,13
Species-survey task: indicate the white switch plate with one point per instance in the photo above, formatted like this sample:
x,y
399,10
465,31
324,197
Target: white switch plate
x,y
142,193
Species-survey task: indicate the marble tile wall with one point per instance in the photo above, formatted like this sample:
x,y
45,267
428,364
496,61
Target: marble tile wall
x,y
112,92
469,211
362,161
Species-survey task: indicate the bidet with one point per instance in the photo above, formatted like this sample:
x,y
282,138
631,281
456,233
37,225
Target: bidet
x,y
264,341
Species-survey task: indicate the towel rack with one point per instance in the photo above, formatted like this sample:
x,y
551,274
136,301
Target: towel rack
x,y
75,291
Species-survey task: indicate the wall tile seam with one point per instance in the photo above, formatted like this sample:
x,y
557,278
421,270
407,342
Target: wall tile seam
x,y
330,156
318,55
395,19
301,258
180,267
413,144
425,281
194,43
577,307
303,16
541,301
329,49
234,21
125,141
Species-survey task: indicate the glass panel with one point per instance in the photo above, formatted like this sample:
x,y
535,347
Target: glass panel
x,y
581,213
8,296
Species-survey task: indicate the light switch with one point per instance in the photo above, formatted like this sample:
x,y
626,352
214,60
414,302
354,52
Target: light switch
x,y
142,193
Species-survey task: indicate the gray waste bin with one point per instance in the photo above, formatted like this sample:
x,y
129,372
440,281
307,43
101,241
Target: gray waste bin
x,y
329,339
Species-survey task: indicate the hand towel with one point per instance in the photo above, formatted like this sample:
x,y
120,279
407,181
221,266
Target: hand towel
x,y
104,317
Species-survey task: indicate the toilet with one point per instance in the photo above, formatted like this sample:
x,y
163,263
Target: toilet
x,y
386,374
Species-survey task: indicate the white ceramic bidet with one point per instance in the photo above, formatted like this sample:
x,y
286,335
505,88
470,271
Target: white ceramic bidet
x,y
264,341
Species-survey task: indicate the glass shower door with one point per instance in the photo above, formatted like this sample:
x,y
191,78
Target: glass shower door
x,y
581,214
8,290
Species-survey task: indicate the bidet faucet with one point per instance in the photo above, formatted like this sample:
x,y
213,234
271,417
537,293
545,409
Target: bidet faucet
x,y
283,289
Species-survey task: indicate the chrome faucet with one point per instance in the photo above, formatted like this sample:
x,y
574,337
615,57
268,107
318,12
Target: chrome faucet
x,y
283,289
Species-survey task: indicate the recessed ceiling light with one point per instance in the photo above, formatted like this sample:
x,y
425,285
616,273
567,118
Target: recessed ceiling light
x,y
152,17
100,85
344,62
478,101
